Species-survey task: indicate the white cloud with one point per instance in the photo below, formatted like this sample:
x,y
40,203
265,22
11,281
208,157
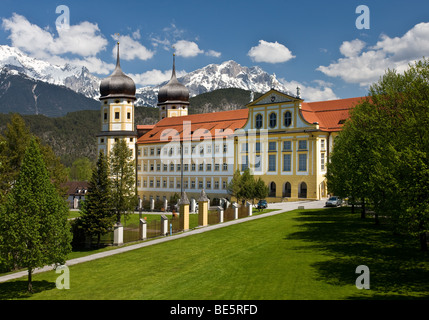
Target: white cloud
x,y
321,91
270,52
83,40
366,67
154,77
187,49
131,49
212,53
352,48
136,34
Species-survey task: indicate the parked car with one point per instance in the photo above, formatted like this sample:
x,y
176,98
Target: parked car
x,y
262,204
333,202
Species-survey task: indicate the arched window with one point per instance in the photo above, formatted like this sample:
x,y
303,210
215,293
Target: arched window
x,y
302,192
287,118
258,122
272,192
273,120
287,191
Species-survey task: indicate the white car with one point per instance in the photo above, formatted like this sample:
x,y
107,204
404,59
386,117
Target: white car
x,y
333,202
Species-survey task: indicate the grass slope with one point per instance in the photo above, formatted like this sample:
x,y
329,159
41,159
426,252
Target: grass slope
x,y
310,254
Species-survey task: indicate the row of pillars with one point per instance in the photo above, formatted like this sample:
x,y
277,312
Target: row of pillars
x,y
192,205
203,218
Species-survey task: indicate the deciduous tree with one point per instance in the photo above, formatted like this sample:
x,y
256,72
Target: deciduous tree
x,y
122,172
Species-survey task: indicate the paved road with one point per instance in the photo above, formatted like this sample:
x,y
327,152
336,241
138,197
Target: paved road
x,y
284,207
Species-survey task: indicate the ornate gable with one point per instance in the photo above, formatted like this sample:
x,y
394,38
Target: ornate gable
x,y
273,96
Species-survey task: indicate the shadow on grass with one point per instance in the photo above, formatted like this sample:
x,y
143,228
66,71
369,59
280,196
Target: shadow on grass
x,y
398,270
18,289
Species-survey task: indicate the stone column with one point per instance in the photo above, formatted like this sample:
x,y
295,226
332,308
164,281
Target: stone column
x,y
227,203
152,204
249,208
184,212
235,207
203,209
222,202
164,225
165,205
143,229
118,234
193,205
220,212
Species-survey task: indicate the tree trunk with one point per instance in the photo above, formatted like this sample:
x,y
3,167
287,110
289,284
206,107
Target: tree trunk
x,y
30,285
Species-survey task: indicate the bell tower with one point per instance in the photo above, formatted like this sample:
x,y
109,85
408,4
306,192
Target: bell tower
x,y
117,96
173,98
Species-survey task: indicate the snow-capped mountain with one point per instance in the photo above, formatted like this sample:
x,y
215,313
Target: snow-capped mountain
x,y
229,74
79,79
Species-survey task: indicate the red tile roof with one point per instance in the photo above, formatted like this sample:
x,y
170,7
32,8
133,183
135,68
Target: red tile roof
x,y
196,126
145,127
329,114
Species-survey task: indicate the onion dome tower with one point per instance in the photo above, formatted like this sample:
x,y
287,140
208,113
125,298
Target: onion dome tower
x,y
173,98
117,96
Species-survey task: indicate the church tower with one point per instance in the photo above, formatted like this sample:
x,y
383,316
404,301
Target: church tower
x,y
173,98
117,96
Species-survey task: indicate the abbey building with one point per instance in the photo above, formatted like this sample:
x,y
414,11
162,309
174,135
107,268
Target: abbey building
x,y
279,137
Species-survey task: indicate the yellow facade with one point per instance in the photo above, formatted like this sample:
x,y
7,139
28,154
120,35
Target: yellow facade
x,y
117,122
280,146
175,110
276,143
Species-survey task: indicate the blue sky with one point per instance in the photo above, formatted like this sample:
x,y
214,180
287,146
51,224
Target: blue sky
x,y
314,44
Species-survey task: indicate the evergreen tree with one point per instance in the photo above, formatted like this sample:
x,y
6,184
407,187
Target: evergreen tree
x,y
261,189
245,187
97,212
122,172
247,190
234,186
33,223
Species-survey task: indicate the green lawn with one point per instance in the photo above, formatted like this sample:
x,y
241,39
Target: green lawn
x,y
311,254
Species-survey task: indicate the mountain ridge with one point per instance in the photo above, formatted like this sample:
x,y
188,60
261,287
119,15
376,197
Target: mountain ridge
x,y
228,74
